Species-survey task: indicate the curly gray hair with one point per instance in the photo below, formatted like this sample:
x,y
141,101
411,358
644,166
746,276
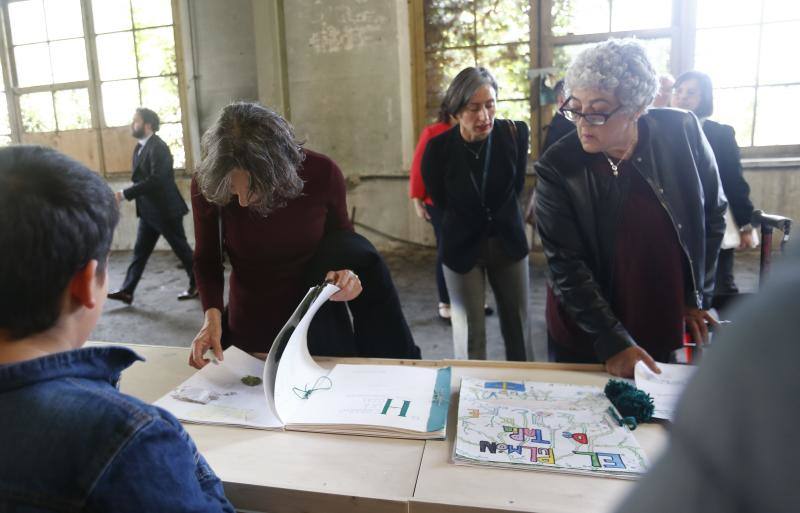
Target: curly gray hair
x,y
619,66
255,139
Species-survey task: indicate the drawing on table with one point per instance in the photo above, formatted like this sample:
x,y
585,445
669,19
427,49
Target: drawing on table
x,y
665,388
548,426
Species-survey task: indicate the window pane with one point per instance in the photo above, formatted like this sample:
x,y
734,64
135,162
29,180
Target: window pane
x,y
5,140
111,15
151,13
735,107
518,111
509,65
728,55
722,13
27,22
658,50
776,39
161,95
639,15
156,51
37,112
441,69
115,56
449,23
775,119
172,133
72,109
120,100
5,127
64,19
69,60
564,55
781,10
502,21
33,65
580,16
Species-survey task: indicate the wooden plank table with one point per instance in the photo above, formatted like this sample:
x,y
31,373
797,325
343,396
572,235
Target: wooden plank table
x,y
293,472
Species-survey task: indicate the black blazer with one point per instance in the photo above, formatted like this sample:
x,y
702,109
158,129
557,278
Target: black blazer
x,y
154,190
722,139
467,220
559,127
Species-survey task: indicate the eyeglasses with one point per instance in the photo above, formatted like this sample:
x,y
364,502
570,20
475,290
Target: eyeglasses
x,y
593,118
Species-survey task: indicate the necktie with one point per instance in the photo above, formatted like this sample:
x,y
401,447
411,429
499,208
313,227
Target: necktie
x,y
135,159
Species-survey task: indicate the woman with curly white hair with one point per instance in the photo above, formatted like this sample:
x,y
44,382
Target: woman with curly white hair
x,y
630,213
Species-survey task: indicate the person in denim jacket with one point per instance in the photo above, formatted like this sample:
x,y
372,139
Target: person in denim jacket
x,y
69,440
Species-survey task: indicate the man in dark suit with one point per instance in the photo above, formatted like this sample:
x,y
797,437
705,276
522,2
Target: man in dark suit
x,y
159,206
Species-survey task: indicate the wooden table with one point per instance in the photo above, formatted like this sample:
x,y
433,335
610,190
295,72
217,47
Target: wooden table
x,y
292,472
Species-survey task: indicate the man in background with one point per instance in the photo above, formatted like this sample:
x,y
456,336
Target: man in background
x,y
159,206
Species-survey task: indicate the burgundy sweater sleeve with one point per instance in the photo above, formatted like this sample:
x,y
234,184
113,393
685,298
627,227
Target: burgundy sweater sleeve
x,y
208,268
338,218
416,186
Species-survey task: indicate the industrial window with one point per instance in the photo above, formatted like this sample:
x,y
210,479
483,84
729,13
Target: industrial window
x,y
741,44
77,70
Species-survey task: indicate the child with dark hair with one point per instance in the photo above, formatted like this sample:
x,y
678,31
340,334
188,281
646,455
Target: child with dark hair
x,y
70,440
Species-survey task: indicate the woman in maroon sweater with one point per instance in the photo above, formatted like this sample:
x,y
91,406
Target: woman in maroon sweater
x,y
288,198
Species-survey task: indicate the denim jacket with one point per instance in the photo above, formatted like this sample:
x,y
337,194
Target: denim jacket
x,y
70,441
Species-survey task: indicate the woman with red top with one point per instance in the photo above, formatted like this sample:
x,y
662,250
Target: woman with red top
x,y
423,205
288,199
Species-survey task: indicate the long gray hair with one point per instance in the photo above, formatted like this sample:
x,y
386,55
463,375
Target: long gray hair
x,y
255,139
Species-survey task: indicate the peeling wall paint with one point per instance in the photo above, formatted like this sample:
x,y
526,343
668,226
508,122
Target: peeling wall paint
x,y
342,28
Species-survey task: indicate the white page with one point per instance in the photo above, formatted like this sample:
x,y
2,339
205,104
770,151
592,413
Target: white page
x,y
665,388
227,399
296,371
378,395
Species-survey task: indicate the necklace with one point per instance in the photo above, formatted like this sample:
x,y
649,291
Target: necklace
x,y
615,167
476,154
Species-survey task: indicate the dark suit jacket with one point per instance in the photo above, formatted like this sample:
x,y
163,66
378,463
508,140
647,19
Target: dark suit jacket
x,y
154,190
558,128
722,139
467,220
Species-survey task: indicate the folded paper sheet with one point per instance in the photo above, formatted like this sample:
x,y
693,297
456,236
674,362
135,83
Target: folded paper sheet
x,y
543,426
297,393
665,388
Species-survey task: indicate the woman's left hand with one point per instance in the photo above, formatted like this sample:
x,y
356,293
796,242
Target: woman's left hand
x,y
697,322
347,281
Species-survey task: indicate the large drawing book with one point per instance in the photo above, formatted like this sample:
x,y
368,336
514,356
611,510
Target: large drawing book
x,y
543,426
291,391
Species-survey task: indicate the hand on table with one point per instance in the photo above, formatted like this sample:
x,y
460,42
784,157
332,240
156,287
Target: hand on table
x,y
347,281
622,363
697,322
209,337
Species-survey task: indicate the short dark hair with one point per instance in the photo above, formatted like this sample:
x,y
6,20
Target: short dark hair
x,y
466,83
149,117
55,217
706,107
255,139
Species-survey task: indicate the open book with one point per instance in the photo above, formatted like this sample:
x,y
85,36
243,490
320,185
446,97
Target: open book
x,y
543,426
291,391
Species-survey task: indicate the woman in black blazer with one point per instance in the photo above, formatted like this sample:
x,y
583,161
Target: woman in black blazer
x,y
694,92
475,173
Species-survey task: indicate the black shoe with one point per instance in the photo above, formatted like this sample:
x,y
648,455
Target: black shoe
x,y
190,293
121,295
488,310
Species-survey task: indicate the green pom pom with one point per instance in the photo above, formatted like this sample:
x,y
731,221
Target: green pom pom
x,y
629,400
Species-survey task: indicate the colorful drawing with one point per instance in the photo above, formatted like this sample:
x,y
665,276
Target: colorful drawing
x,y
549,426
505,386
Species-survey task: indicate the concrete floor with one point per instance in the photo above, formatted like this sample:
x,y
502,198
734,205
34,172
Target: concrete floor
x,y
157,317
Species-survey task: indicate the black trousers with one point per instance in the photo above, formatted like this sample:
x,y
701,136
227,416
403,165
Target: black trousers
x,y
725,284
146,238
436,220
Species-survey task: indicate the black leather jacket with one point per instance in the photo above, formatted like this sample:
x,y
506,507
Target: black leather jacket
x,y
675,159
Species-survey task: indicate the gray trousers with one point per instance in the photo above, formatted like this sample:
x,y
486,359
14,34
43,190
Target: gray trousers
x,y
509,281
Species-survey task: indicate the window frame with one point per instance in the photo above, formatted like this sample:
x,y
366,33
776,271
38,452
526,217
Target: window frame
x,y
681,32
93,83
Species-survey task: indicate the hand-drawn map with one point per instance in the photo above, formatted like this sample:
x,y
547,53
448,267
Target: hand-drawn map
x,y
543,426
